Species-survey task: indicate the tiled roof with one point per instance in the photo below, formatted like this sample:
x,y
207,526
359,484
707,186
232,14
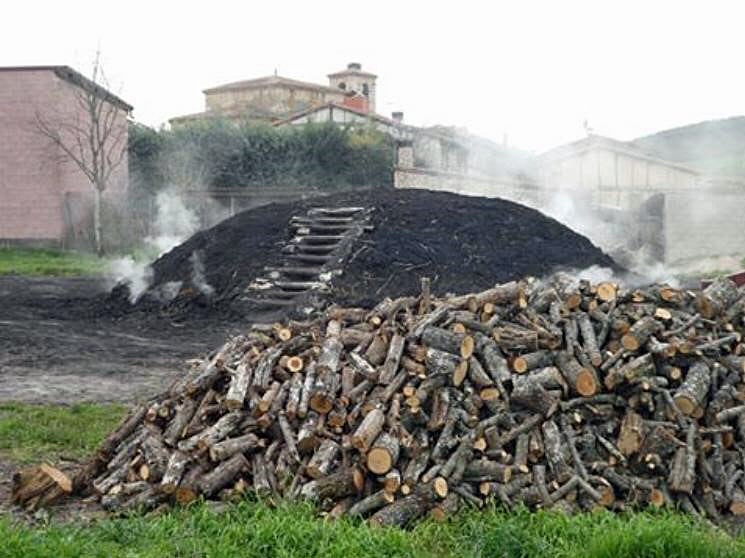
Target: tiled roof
x,y
76,78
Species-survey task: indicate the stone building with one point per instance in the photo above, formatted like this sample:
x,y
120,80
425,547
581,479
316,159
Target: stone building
x,y
610,173
45,199
274,98
349,99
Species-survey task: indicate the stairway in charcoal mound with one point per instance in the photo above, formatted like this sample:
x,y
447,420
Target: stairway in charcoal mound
x,y
322,240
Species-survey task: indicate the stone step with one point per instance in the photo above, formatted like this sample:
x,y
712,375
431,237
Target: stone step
x,y
298,285
335,211
270,303
340,228
319,250
293,271
309,258
319,239
297,220
281,294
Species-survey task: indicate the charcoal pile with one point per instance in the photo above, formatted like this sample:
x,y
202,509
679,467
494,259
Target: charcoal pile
x,y
552,394
462,243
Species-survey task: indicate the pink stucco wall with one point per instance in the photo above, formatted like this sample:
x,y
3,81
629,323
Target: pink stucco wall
x,y
34,183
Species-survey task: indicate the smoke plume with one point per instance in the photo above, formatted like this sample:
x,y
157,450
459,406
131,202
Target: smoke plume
x,y
174,223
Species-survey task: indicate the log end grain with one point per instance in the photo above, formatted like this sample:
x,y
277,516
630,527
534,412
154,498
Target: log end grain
x,y
586,385
440,487
467,346
379,461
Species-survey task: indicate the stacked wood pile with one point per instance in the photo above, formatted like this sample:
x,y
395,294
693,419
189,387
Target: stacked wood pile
x,y
552,394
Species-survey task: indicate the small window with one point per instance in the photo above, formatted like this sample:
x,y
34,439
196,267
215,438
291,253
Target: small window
x,y
342,85
365,89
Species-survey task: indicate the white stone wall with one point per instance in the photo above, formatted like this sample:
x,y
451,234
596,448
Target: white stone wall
x,y
428,179
614,179
699,226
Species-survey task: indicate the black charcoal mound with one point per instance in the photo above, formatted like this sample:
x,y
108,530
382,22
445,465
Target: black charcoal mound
x,y
462,243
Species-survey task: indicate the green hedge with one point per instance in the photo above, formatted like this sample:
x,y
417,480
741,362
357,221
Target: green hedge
x,y
217,154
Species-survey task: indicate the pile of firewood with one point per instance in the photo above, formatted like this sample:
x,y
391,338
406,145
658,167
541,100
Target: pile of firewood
x,y
552,394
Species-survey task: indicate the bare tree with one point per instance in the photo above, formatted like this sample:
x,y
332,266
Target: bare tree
x,y
92,134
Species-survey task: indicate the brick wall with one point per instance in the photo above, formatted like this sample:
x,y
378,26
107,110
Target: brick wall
x,y
34,183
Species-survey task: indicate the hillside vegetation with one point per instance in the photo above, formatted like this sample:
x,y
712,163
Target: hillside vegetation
x,y
714,147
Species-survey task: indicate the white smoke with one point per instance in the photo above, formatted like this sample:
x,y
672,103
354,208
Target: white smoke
x,y
197,274
136,275
641,275
174,223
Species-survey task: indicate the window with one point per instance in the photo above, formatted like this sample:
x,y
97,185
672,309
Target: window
x,y
365,90
342,85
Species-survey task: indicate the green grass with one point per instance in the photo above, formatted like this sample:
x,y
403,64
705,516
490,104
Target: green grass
x,y
252,529
34,432
43,262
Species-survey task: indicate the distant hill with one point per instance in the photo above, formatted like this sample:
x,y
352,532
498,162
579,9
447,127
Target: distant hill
x,y
715,147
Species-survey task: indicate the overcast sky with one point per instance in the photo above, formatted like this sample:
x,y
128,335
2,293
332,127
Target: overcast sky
x,y
533,70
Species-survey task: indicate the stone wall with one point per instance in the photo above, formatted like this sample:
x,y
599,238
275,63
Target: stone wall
x,y
274,100
429,179
613,179
698,226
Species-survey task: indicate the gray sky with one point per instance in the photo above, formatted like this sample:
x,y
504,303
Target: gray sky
x,y
534,70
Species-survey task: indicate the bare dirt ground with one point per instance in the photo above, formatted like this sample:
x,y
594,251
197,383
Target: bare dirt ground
x,y
53,349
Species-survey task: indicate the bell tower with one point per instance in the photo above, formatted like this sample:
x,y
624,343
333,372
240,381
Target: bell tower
x,y
354,80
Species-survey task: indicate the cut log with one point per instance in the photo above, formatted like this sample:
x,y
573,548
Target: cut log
x,y
156,458
293,396
589,339
345,482
372,503
210,436
329,359
640,366
402,512
242,444
323,459
631,435
529,361
683,469
477,374
239,383
223,474
392,360
177,464
487,470
581,380
39,486
639,333
178,424
555,454
443,340
368,430
492,359
383,454
716,298
691,394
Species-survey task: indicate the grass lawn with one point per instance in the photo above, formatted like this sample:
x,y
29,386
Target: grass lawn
x,y
249,528
43,262
253,529
31,433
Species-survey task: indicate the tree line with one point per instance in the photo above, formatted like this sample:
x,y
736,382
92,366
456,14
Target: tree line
x,y
219,155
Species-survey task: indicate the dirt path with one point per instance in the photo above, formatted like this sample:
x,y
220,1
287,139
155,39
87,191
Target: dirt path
x,y
53,351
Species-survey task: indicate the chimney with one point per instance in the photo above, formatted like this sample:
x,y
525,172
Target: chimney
x,y
397,117
354,66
